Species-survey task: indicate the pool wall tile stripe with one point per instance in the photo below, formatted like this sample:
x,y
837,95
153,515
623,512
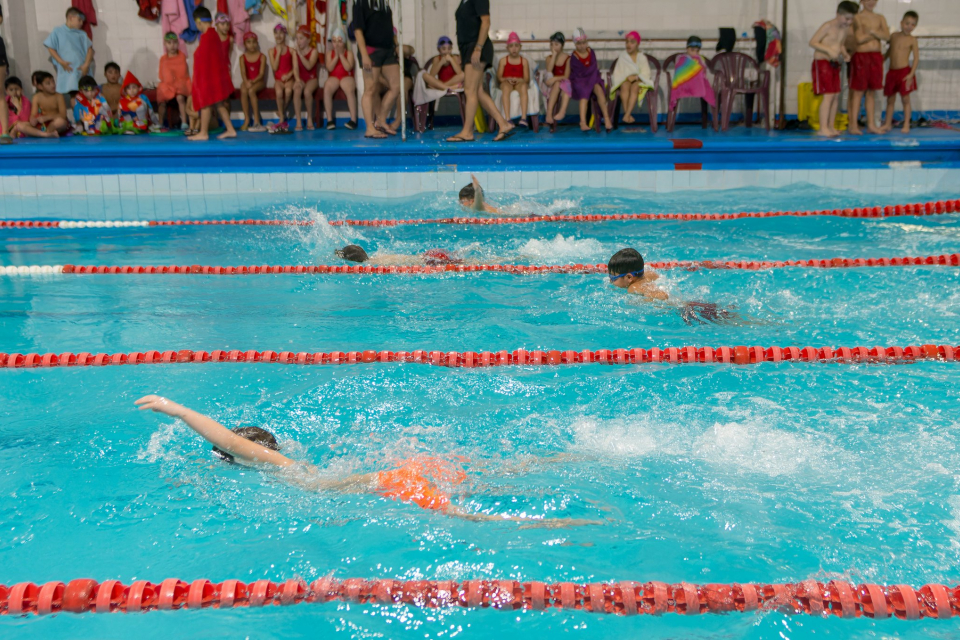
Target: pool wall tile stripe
x,y
148,196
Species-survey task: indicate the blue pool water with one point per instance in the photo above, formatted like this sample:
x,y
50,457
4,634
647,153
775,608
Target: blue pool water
x,y
770,473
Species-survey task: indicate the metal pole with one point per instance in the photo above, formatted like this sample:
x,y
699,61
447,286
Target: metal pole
x,y
403,88
782,124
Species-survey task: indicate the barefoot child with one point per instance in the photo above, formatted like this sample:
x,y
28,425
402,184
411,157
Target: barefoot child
x,y
513,74
136,112
253,70
414,481
112,89
827,44
91,112
281,60
305,74
48,114
211,78
18,106
556,83
174,79
585,80
870,31
71,50
340,66
631,77
902,76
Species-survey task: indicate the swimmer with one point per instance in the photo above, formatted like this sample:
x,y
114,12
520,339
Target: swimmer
x,y
626,270
471,198
430,258
414,481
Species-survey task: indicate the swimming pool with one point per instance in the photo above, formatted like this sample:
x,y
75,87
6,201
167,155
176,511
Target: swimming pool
x,y
772,473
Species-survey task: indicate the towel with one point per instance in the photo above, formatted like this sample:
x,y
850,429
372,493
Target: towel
x,y
690,81
625,68
424,94
769,44
190,33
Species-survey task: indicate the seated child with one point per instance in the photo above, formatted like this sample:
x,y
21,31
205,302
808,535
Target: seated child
x,y
690,76
211,85
305,74
340,67
631,76
902,76
281,60
71,51
112,89
513,74
18,106
444,71
174,79
829,52
136,112
430,258
416,481
585,80
48,113
471,198
91,113
556,82
253,70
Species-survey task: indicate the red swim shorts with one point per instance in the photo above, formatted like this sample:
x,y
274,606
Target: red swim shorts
x,y
866,71
826,77
896,84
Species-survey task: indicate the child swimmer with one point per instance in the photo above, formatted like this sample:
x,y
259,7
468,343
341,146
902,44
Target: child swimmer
x,y
413,481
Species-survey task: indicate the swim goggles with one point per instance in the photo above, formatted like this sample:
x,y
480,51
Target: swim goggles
x,y
639,274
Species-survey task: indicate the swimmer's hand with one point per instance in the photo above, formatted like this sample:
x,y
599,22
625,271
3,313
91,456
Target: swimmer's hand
x,y
161,405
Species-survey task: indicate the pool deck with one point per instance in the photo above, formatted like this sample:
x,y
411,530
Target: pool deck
x,y
688,148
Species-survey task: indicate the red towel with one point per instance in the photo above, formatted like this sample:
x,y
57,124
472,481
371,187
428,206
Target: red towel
x,y
211,72
86,6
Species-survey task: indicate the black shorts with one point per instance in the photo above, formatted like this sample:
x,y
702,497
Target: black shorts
x,y
383,58
486,54
3,54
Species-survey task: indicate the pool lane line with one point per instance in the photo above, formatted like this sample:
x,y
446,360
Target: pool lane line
x,y
807,597
918,209
943,260
739,355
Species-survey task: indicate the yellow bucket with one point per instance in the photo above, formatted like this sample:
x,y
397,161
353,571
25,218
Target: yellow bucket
x,y
808,108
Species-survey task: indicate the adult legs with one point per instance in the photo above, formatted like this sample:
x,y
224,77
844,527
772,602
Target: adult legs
x,y
4,111
391,74
370,101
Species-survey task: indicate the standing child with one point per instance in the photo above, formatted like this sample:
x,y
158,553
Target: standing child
x,y
211,78
91,111
513,74
112,89
870,31
556,83
902,76
71,50
48,114
174,79
827,44
18,106
585,80
631,76
253,67
305,74
223,27
281,60
136,112
340,66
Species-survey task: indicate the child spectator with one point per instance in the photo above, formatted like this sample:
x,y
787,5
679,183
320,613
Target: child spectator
x,y
5,119
556,83
902,76
174,79
585,80
444,71
281,59
211,79
513,74
690,76
48,114
340,66
305,74
829,51
870,30
631,76
18,106
91,113
71,50
253,68
112,89
136,112
222,24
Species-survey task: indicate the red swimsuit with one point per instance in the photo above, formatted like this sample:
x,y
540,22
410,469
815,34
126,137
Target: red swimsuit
x,y
446,72
513,70
284,65
339,71
306,75
252,69
560,69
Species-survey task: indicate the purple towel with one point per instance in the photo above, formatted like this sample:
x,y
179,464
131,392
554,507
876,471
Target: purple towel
x,y
584,76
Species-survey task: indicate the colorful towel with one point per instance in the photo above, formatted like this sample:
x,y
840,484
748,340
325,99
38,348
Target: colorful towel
x,y
93,116
135,113
771,47
690,81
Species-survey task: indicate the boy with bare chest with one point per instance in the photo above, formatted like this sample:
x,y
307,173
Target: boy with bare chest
x,y
902,76
829,51
870,31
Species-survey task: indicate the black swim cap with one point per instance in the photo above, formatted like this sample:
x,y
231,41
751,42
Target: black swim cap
x,y
558,37
694,41
352,253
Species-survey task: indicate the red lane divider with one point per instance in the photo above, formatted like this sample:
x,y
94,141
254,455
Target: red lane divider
x,y
917,209
951,260
811,597
474,359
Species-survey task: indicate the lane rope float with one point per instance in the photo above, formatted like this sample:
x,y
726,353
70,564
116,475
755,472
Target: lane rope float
x,y
917,209
943,260
810,597
740,355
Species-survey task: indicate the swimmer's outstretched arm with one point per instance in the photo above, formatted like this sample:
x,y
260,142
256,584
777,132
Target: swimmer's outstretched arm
x,y
214,432
479,204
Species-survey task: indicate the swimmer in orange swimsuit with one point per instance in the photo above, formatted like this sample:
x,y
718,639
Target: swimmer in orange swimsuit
x,y
415,481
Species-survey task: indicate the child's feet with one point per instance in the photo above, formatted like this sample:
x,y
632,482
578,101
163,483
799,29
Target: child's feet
x,y
628,119
198,137
244,127
51,134
855,131
6,139
877,132
523,122
310,126
229,133
299,126
906,128
584,127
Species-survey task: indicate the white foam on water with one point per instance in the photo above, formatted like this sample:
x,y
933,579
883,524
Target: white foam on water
x,y
560,248
321,238
755,447
158,447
